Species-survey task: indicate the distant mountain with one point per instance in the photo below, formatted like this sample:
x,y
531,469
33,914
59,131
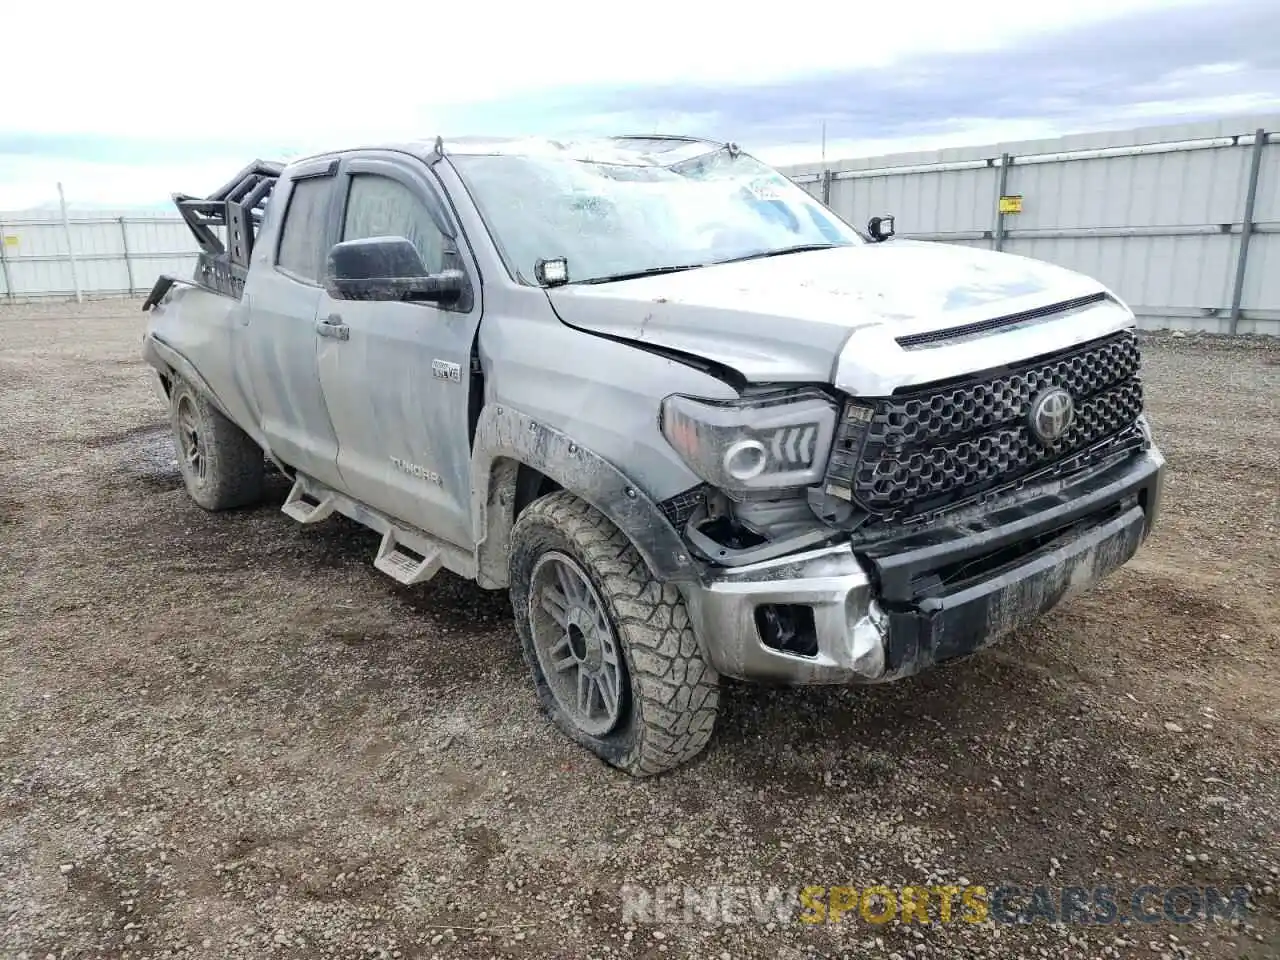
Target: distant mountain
x,y
50,210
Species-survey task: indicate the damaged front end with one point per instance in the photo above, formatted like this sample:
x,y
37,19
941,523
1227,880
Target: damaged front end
x,y
944,516
879,610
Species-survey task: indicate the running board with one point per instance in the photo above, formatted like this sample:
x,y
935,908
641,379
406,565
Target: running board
x,y
408,569
306,507
405,554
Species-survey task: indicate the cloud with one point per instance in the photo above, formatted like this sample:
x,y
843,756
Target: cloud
x,y
1163,63
149,109
126,148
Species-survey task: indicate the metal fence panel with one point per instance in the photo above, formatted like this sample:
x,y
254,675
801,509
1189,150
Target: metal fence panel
x,y
1161,276
1157,214
1262,281
114,255
952,202
1201,186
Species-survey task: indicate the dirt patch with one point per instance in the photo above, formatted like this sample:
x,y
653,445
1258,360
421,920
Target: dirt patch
x,y
230,736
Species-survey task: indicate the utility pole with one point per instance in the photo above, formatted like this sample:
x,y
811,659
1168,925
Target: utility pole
x,y
71,250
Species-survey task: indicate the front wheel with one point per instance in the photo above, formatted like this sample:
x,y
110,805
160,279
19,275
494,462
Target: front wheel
x,y
614,658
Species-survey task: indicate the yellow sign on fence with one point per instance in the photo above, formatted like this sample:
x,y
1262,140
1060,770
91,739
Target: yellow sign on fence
x,y
1011,204
10,240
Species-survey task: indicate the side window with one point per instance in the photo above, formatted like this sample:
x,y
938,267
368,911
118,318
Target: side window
x,y
381,207
302,237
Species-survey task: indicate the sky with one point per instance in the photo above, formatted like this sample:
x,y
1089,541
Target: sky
x,y
124,104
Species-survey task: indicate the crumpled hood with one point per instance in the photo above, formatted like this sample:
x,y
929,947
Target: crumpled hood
x,y
786,318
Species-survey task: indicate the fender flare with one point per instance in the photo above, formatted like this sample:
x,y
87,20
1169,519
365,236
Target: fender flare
x,y
165,358
506,438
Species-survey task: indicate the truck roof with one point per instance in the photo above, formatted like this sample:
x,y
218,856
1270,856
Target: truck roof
x,y
651,149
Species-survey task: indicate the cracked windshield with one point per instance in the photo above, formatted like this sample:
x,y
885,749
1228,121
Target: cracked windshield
x,y
613,217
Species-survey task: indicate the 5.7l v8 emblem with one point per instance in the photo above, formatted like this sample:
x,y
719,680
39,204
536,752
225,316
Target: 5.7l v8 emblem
x,y
444,370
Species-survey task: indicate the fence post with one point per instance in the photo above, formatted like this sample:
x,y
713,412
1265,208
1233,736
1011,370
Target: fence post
x,y
128,261
4,264
71,250
826,188
1002,184
1246,226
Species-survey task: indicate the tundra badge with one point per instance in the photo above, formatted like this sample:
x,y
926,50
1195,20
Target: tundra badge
x,y
414,470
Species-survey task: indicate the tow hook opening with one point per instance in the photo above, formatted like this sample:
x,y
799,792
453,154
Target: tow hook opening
x,y
788,627
730,535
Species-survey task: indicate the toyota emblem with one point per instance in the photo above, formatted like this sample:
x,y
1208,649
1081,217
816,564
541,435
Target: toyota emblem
x,y
1052,413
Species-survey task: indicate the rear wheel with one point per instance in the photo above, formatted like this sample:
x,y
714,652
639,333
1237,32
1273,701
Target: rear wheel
x,y
221,465
614,658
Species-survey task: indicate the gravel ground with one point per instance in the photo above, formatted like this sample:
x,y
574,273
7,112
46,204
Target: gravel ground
x,y
229,736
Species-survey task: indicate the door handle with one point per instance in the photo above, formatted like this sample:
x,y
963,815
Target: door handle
x,y
333,327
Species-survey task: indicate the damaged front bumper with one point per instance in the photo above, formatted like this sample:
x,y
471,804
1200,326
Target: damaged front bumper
x,y
902,605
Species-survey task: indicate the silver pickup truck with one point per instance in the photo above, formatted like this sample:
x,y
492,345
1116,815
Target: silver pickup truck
x,y
695,423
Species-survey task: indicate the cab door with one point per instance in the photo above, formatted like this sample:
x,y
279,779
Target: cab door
x,y
396,383
279,343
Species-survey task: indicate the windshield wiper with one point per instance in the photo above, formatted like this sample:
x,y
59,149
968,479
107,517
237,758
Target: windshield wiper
x,y
798,248
655,271
647,272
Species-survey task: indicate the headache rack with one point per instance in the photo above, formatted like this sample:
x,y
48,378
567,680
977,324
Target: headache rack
x,y
237,208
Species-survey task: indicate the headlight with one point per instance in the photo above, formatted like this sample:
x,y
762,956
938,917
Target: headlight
x,y
757,444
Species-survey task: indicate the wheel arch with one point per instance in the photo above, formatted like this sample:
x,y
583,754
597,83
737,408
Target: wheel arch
x,y
516,460
171,366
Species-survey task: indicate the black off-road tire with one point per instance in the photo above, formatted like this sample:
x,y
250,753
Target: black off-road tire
x,y
233,468
672,696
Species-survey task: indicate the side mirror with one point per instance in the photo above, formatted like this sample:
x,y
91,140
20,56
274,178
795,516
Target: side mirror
x,y
880,228
388,268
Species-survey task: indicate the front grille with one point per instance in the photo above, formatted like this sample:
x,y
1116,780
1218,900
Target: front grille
x,y
939,446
